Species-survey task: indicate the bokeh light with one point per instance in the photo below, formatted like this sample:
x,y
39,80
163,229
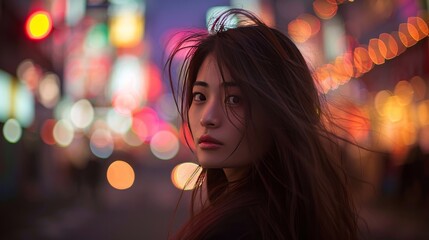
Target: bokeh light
x,y
120,175
101,143
118,122
145,123
376,50
154,80
397,37
128,87
29,73
405,36
185,175
422,26
313,21
299,30
393,110
5,105
47,132
49,90
361,61
419,86
391,46
380,100
126,28
125,103
414,29
63,108
12,130
405,92
172,37
166,107
423,113
164,145
38,25
82,113
132,139
214,12
97,38
424,138
63,132
325,9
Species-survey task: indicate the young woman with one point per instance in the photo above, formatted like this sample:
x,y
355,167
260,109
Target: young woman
x,y
269,164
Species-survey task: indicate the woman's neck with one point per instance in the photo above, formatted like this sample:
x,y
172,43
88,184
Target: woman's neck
x,y
236,174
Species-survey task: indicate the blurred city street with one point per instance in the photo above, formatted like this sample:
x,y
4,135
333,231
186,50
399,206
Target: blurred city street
x,y
92,146
145,211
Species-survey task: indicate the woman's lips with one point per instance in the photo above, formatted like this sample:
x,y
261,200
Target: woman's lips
x,y
208,142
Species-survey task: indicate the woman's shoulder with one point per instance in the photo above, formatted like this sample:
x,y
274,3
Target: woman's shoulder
x,y
239,224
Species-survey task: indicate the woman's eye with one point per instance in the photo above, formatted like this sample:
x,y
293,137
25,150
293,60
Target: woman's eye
x,y
233,100
198,97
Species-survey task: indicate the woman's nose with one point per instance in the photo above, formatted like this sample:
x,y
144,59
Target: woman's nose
x,y
212,114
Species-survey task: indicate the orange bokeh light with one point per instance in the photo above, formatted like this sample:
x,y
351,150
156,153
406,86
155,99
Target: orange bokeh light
x,y
325,9
299,30
361,61
376,49
313,21
391,46
405,35
120,175
422,26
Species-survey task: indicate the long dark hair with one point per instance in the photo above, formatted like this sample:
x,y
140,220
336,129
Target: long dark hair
x,y
298,189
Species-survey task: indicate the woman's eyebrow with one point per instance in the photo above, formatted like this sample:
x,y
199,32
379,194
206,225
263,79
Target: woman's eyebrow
x,y
200,83
230,84
224,84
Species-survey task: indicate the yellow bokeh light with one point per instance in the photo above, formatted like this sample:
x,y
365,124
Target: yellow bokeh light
x,y
393,110
380,100
120,175
185,175
423,113
39,25
419,86
408,133
404,91
126,29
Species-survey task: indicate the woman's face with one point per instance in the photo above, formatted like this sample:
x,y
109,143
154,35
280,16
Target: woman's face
x,y
217,121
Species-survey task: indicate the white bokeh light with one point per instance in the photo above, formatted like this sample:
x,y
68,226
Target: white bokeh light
x,y
82,113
